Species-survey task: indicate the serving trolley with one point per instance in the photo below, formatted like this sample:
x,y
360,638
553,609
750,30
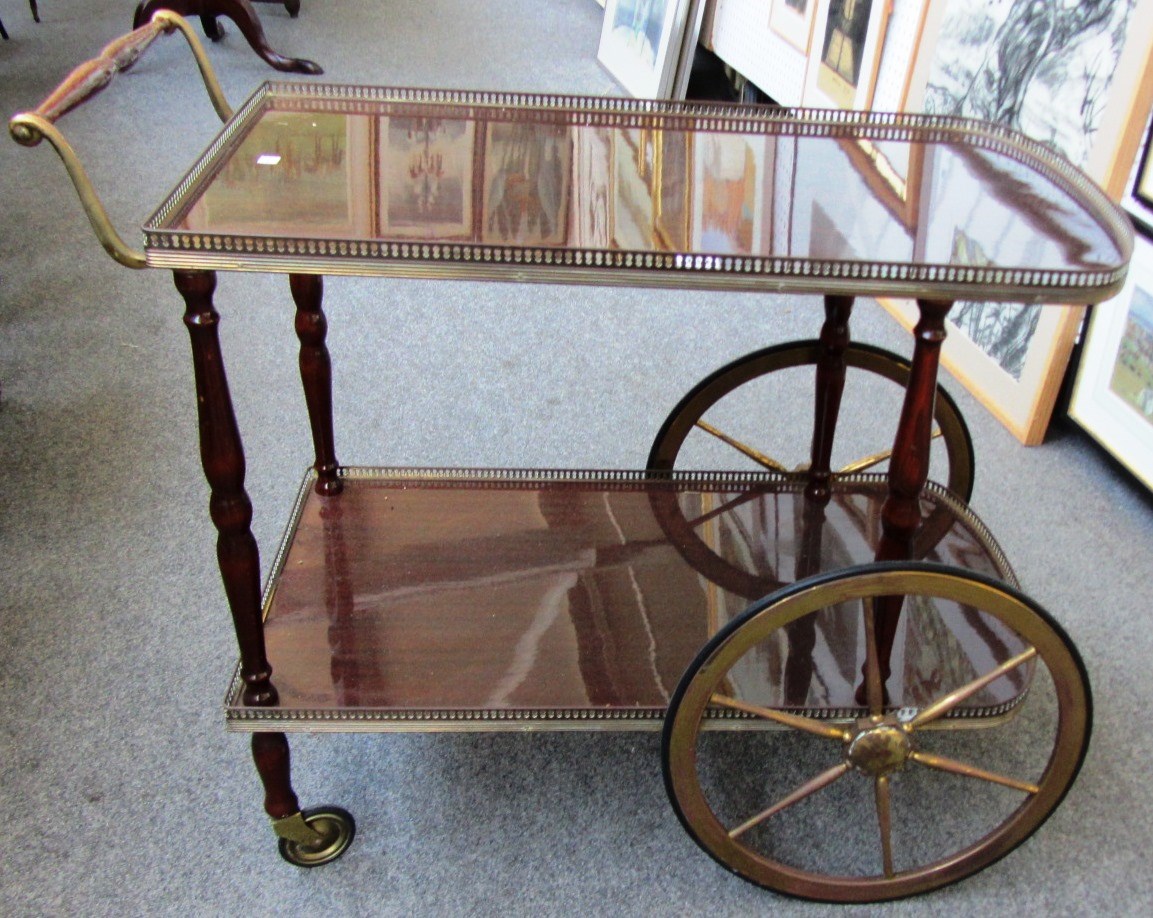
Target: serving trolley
x,y
857,700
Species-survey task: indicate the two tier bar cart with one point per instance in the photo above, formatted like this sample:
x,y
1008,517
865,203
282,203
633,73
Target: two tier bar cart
x,y
857,700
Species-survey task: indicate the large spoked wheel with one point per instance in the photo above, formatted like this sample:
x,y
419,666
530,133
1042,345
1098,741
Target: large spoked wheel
x,y
336,828
759,414
895,797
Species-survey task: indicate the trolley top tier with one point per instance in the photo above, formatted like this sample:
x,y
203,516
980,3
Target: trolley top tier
x,y
330,179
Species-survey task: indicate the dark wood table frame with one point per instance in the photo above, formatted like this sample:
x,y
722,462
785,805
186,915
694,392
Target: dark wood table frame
x,y
240,12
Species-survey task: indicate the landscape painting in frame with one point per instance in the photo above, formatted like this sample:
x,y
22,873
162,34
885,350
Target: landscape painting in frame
x,y
305,163
527,183
793,21
1113,397
1044,69
641,42
426,168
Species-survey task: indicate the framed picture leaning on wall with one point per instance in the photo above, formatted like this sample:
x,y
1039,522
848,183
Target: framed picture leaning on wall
x,y
845,53
1113,397
1067,75
641,44
793,21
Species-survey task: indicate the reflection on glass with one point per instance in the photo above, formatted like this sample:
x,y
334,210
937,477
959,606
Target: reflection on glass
x,y
575,179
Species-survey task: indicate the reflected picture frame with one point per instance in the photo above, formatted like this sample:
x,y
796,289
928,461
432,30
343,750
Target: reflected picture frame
x,y
1113,394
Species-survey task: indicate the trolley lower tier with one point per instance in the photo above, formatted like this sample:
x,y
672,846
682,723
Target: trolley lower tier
x,y
510,600
522,600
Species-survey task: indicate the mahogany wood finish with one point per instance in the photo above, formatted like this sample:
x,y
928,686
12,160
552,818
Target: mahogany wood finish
x,y
909,466
316,375
829,389
408,595
222,456
241,13
273,763
92,76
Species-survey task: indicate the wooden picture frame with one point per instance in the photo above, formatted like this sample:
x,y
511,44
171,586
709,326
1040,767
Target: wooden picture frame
x,y
1113,396
642,42
1024,400
1141,196
845,53
793,21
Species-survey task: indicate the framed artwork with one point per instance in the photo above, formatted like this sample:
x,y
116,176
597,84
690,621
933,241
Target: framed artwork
x,y
527,183
426,178
694,23
1062,74
846,53
641,44
1141,202
793,21
1113,395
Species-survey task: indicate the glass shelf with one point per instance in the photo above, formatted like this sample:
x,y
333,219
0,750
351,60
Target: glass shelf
x,y
315,178
507,600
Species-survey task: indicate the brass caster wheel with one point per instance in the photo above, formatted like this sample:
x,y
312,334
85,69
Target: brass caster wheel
x,y
320,835
975,721
754,420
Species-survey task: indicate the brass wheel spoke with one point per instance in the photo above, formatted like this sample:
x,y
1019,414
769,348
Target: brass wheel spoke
x,y
824,779
874,685
885,822
796,721
945,704
742,448
952,766
724,508
868,462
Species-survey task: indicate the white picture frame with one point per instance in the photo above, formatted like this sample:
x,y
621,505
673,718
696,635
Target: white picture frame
x,y
1113,395
641,44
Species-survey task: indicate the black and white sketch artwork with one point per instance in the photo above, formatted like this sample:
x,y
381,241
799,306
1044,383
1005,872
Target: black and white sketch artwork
x,y
1043,67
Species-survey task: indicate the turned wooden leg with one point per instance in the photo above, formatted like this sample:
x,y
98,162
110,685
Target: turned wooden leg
x,y
222,456
316,375
909,465
273,763
830,386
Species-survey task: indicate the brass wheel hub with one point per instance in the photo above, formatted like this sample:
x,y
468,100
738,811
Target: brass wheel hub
x,y
879,748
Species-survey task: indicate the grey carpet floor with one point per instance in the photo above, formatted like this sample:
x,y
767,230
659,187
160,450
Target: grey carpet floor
x,y
121,793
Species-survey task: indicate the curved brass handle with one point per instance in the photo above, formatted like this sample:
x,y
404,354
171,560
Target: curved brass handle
x,y
29,128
